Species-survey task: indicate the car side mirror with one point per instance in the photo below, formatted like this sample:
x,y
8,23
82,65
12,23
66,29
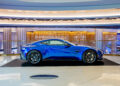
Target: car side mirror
x,y
76,44
67,45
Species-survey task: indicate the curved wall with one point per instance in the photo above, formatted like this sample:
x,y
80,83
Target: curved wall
x,y
59,4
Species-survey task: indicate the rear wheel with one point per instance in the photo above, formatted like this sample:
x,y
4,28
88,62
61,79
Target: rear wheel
x,y
34,57
89,57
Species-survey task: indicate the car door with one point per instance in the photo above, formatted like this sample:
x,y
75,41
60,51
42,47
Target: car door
x,y
59,48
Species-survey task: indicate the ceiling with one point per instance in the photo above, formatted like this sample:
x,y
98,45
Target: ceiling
x,y
58,4
81,17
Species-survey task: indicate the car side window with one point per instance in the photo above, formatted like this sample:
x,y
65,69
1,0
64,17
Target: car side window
x,y
54,42
45,42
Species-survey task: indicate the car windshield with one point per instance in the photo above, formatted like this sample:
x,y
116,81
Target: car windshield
x,y
70,43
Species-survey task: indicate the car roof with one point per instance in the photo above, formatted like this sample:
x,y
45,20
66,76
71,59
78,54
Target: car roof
x,y
48,40
52,39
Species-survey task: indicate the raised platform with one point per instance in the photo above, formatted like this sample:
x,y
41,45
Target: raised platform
x,y
19,63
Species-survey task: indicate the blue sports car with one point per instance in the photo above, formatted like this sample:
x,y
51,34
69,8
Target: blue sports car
x,y
57,49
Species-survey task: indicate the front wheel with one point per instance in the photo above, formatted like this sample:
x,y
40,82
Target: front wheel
x,y
34,57
89,57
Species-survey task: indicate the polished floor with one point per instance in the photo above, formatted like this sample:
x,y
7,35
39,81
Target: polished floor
x,y
62,75
20,63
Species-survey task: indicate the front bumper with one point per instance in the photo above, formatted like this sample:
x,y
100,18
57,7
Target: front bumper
x,y
23,53
22,56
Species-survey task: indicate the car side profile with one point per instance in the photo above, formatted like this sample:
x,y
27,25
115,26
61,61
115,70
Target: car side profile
x,y
57,49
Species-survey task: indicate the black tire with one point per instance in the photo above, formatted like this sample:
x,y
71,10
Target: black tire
x,y
89,57
34,57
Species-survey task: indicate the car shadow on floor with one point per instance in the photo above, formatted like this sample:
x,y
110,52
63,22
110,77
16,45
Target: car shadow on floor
x,y
63,63
20,63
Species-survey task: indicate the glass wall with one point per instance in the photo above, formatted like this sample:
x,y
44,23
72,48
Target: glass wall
x,y
76,37
109,42
106,39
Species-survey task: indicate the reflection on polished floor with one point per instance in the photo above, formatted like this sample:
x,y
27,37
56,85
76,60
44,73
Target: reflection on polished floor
x,y
67,76
62,75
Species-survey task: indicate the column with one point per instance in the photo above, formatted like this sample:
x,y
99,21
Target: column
x,y
7,40
21,38
99,38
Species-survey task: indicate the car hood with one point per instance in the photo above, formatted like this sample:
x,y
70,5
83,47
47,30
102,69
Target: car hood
x,y
84,46
28,45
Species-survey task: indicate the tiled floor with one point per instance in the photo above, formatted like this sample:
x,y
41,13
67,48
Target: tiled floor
x,y
59,75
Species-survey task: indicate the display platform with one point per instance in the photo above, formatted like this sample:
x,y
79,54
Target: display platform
x,y
20,63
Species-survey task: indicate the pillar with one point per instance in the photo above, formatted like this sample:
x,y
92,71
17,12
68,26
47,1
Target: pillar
x,y
99,38
21,38
7,40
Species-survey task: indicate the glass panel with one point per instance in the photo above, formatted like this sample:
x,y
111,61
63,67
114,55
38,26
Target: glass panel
x,y
14,42
110,39
118,44
109,42
1,42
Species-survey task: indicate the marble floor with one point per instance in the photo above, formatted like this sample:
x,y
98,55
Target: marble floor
x,y
59,75
4,59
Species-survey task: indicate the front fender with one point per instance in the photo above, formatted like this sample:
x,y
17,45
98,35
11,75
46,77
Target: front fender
x,y
83,50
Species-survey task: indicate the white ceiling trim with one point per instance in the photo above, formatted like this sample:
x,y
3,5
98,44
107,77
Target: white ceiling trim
x,y
60,14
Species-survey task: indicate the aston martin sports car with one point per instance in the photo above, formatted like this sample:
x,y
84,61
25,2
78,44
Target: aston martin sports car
x,y
57,49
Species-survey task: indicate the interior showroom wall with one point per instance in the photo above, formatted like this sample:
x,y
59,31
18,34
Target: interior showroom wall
x,y
106,39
